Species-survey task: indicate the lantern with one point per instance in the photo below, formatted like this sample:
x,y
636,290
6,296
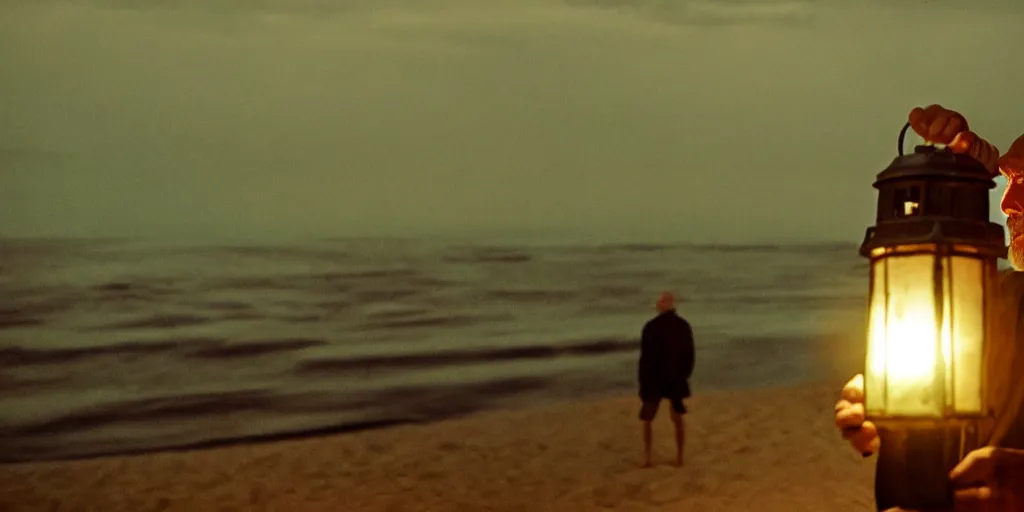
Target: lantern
x,y
933,256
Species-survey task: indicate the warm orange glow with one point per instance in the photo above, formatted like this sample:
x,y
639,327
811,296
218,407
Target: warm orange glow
x,y
923,360
910,360
902,249
910,207
965,302
904,340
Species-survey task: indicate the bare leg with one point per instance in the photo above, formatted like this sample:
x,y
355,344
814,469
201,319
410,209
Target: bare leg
x,y
677,420
647,444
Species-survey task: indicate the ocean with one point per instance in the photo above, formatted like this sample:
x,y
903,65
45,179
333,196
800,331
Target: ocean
x,y
115,346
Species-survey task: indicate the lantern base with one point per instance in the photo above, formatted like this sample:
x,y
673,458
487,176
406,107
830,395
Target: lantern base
x,y
914,465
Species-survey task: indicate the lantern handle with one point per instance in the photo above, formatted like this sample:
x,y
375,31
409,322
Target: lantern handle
x,y
903,134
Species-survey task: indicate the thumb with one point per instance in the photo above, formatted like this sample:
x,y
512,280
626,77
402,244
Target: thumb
x,y
853,391
976,468
963,142
967,142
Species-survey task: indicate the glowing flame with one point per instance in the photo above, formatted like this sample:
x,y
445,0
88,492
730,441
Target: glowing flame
x,y
908,359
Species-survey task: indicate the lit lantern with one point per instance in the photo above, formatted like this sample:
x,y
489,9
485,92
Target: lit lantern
x,y
933,255
933,258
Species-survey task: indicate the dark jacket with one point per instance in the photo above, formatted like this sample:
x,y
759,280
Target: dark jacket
x,y
1004,364
666,358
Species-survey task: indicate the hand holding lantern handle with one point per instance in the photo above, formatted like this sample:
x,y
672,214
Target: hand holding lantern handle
x,y
940,125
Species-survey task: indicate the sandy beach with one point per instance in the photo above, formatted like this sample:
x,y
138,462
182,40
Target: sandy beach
x,y
766,450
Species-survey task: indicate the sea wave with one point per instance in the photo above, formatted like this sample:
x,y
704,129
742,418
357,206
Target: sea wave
x,y
115,346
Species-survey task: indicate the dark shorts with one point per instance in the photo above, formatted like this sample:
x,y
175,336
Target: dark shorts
x,y
650,409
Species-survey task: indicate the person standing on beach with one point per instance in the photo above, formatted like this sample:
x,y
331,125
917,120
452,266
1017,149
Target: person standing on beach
x,y
990,478
667,357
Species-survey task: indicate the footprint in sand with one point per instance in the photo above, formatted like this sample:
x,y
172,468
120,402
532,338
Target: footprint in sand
x,y
662,492
611,494
449,447
378,448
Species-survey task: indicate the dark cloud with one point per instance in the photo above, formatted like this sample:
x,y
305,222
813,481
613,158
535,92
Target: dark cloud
x,y
706,121
683,12
708,12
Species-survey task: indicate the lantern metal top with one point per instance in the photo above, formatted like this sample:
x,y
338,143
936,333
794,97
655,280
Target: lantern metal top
x,y
934,196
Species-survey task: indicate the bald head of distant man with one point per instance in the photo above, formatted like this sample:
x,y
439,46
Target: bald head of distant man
x,y
666,302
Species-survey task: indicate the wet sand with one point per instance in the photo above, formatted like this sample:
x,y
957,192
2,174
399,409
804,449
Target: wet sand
x,y
765,450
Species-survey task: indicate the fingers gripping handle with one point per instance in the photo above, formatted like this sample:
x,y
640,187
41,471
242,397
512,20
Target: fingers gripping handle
x,y
965,142
903,136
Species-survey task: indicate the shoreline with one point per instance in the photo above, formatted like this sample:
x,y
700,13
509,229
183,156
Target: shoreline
x,y
773,449
508,404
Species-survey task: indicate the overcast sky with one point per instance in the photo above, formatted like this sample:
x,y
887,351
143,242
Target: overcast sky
x,y
712,120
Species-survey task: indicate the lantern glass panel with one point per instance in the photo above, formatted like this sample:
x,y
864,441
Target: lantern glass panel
x,y
904,346
874,376
963,331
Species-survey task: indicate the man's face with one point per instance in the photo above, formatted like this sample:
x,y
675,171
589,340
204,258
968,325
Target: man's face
x,y
664,302
1013,206
1011,165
